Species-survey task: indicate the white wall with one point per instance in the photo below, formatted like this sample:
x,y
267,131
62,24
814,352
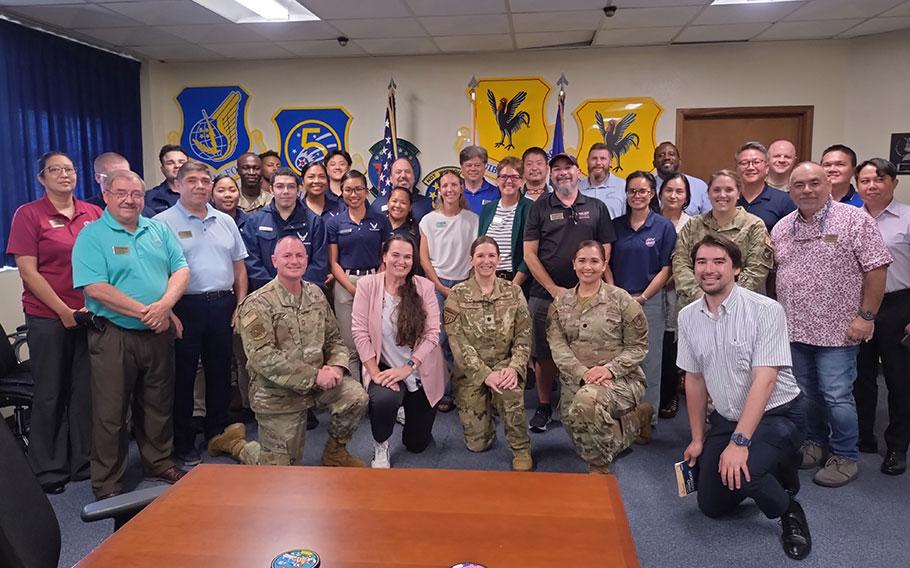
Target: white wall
x,y
11,315
858,88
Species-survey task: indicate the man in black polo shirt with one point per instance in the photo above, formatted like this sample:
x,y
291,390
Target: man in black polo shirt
x,y
556,224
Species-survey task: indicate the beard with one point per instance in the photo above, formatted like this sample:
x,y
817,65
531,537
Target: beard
x,y
564,189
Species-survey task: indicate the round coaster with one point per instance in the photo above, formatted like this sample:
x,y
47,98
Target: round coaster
x,y
299,558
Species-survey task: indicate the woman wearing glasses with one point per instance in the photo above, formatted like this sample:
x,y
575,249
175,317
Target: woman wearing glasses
x,y
355,240
504,221
41,238
640,263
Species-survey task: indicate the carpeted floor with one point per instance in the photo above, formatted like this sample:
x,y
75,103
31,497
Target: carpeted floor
x,y
866,523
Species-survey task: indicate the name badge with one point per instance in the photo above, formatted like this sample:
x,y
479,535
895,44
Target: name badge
x,y
442,224
485,201
345,231
266,229
121,250
185,234
829,238
557,216
384,208
498,220
55,224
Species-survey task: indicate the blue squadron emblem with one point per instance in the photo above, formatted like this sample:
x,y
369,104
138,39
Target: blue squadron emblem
x,y
214,123
309,134
406,149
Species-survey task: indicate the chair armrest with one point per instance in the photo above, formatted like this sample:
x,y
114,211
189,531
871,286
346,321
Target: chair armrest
x,y
126,504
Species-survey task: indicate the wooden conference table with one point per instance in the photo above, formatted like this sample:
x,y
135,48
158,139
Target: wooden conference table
x,y
232,516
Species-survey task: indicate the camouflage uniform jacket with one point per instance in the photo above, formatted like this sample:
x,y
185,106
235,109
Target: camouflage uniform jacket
x,y
609,330
746,230
488,333
287,339
248,205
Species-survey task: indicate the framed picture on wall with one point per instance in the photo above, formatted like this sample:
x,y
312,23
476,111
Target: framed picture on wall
x,y
900,152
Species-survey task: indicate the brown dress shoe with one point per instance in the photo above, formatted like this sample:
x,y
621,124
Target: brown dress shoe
x,y
108,495
171,475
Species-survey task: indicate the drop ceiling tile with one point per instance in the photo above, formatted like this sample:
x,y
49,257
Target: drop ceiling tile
x,y
550,39
557,21
250,50
466,25
879,26
335,10
322,48
5,3
166,13
137,36
295,31
380,28
651,17
809,29
74,16
398,46
552,6
178,53
625,4
459,8
214,33
739,14
460,44
636,36
727,32
902,10
842,9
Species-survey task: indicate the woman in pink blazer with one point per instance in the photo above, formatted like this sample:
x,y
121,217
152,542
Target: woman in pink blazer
x,y
395,324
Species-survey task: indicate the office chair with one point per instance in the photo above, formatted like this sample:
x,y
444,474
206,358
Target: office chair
x,y
16,386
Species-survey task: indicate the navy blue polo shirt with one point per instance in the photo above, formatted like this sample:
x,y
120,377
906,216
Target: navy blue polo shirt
x,y
333,205
488,193
771,206
359,244
852,198
637,256
420,205
161,198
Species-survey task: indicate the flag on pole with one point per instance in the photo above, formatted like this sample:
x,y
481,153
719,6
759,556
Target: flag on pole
x,y
389,152
558,142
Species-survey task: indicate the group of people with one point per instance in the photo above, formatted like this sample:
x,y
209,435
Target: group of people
x,y
779,309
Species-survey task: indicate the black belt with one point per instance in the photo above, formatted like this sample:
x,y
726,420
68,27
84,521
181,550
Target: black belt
x,y
209,296
360,271
896,295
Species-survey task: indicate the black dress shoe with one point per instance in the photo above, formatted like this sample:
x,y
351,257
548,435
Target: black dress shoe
x,y
895,463
54,488
796,538
868,445
108,495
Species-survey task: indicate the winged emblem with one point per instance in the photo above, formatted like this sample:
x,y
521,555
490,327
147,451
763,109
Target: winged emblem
x,y
614,134
216,135
508,117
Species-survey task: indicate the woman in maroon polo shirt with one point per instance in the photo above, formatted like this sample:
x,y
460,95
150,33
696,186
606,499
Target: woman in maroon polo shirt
x,y
41,238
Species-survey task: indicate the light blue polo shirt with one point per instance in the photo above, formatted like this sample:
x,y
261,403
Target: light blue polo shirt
x,y
612,191
211,246
138,264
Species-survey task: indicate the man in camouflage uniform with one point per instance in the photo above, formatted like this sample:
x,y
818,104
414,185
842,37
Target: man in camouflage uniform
x,y
605,333
490,337
296,360
746,230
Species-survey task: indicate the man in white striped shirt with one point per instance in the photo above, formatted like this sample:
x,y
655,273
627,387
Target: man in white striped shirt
x,y
733,345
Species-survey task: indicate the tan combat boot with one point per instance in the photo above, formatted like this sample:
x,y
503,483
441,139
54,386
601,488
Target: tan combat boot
x,y
336,455
223,442
600,469
522,461
644,412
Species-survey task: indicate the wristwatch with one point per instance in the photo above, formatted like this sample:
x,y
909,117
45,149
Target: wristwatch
x,y
868,316
740,440
411,363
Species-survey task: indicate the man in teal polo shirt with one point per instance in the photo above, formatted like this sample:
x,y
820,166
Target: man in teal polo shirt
x,y
132,271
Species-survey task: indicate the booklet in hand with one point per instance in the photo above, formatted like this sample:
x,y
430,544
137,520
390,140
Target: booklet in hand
x,y
686,478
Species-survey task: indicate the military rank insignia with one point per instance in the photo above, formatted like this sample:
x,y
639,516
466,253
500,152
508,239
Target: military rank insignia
x,y
300,558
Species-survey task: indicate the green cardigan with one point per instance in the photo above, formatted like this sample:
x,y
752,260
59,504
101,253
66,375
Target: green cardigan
x,y
518,229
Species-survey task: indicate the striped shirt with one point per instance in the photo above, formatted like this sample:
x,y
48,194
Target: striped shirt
x,y
501,231
749,330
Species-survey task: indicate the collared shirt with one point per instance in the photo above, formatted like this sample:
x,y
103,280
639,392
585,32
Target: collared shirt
x,y
524,192
210,245
749,330
138,264
894,224
359,244
333,206
411,231
487,193
251,204
638,255
160,198
612,191
820,266
39,230
852,197
559,229
420,205
698,192
770,206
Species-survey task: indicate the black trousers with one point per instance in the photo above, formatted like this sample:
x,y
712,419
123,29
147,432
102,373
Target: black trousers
x,y
207,333
885,351
773,456
669,374
60,440
419,415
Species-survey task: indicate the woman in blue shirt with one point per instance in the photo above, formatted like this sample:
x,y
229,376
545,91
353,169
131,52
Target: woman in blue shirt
x,y
640,262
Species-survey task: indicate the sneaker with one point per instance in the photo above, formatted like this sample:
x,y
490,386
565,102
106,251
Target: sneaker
x,y
541,419
813,455
189,456
838,471
380,455
400,416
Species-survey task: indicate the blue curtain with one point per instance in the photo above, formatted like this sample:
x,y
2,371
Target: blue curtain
x,y
60,95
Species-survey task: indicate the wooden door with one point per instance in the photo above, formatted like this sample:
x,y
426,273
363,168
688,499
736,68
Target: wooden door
x,y
707,138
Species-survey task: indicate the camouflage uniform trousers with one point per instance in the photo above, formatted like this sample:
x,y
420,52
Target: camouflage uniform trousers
x,y
601,420
282,436
475,402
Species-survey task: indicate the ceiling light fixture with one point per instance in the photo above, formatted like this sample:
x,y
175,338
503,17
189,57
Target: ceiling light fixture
x,y
729,2
258,11
268,9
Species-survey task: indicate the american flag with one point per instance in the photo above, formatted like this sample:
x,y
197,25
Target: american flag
x,y
389,152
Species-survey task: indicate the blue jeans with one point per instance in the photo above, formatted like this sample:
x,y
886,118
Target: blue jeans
x,y
443,338
826,375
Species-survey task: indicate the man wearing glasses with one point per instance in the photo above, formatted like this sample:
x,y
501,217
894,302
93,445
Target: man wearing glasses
x,y
214,252
132,272
757,197
601,184
477,190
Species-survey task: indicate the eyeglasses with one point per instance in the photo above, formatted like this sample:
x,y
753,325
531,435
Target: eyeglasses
x,y
512,178
353,190
639,192
746,163
122,195
59,170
